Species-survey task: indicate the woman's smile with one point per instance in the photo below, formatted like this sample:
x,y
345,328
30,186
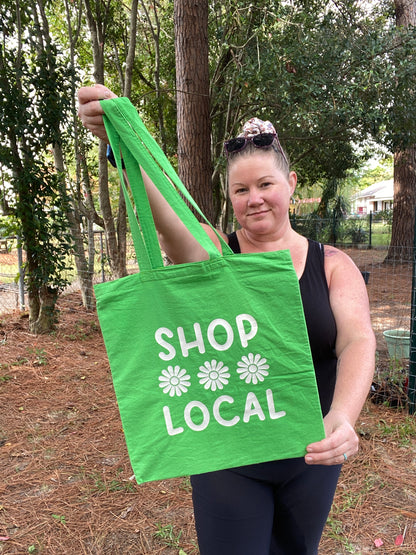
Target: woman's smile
x,y
259,213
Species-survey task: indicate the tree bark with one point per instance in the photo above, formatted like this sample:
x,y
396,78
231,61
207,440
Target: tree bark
x,y
404,204
84,262
116,241
193,101
47,317
404,200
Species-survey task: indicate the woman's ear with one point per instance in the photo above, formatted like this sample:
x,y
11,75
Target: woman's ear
x,y
293,179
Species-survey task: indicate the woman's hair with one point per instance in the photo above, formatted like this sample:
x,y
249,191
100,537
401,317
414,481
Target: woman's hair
x,y
282,162
256,126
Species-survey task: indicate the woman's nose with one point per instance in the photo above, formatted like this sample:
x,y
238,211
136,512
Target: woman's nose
x,y
255,197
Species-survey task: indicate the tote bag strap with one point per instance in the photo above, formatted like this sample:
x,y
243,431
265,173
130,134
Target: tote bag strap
x,y
128,134
147,252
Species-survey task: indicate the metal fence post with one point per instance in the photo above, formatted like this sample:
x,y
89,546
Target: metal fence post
x,y
370,230
21,274
102,257
412,358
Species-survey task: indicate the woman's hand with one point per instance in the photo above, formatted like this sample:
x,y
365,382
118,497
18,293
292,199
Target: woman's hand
x,y
340,439
90,111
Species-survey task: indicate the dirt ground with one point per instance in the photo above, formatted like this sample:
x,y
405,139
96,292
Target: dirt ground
x,y
67,485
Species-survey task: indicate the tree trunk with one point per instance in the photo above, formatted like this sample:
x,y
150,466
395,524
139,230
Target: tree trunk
x,y
131,50
46,319
116,244
404,200
85,270
193,101
81,262
404,204
84,262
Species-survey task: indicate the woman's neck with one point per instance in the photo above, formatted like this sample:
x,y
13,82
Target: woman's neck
x,y
295,243
284,239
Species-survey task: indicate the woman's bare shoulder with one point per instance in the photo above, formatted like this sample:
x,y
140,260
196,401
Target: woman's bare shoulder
x,y
340,267
213,236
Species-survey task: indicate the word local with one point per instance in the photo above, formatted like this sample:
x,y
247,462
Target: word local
x,y
198,339
252,409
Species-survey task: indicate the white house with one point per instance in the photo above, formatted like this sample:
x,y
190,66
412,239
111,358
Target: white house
x,y
375,198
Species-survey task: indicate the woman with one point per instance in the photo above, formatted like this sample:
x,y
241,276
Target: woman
x,y
279,507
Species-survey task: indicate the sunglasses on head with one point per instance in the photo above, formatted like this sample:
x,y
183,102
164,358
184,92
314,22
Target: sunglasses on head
x,y
262,140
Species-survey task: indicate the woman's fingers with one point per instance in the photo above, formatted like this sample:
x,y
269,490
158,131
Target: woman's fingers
x,y
90,111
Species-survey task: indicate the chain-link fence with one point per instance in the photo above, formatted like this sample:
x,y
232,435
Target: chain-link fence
x,y
371,231
12,293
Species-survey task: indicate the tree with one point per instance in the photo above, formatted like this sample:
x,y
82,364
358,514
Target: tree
x,y
322,72
193,101
33,83
100,16
297,65
404,201
71,161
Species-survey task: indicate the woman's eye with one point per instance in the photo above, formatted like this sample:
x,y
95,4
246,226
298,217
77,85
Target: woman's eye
x,y
265,184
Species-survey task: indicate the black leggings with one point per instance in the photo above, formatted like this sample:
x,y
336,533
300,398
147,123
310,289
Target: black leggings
x,y
276,508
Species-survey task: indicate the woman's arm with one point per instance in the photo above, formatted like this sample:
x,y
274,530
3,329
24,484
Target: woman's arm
x,y
175,239
355,349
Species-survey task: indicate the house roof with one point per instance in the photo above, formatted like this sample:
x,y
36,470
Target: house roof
x,y
382,190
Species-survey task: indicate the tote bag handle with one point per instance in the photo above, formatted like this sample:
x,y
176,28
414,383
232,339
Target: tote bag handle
x,y
128,136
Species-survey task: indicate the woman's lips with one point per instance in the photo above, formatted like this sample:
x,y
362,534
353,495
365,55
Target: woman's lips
x,y
259,213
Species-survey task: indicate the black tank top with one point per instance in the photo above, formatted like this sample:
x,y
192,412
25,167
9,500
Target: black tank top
x,y
320,321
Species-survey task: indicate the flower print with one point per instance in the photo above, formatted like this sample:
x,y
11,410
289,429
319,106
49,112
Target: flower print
x,y
213,375
252,368
174,381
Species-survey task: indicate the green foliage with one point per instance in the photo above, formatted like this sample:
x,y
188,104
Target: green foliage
x,y
101,485
381,172
355,231
322,72
9,226
40,358
41,209
335,78
402,432
385,216
168,536
34,106
341,230
59,518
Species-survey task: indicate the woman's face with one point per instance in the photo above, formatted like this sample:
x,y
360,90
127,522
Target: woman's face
x,y
260,193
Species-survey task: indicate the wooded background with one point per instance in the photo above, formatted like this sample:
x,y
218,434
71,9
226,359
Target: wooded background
x,y
336,78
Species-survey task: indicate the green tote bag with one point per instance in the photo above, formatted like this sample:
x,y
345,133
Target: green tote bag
x,y
210,360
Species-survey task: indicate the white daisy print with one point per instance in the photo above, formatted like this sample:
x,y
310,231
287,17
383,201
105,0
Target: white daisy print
x,y
174,380
252,368
213,375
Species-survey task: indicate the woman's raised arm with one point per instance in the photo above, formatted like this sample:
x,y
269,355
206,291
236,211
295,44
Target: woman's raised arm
x,y
175,239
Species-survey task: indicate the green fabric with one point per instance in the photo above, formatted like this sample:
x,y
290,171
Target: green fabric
x,y
210,361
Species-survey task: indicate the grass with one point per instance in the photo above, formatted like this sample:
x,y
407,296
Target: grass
x,y
167,536
402,432
83,330
59,518
380,234
346,501
40,358
114,485
335,531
